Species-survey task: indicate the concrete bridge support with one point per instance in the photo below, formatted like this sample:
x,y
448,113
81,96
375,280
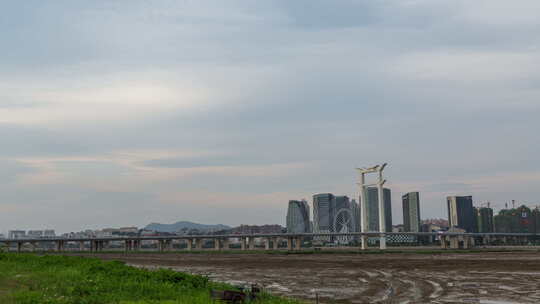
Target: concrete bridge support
x,y
251,243
267,243
135,245
472,241
454,242
466,242
59,246
217,244
81,245
243,243
226,244
127,244
189,244
298,243
364,242
289,243
198,244
275,243
444,244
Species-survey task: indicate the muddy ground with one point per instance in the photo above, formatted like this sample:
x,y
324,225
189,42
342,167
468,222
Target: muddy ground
x,y
491,278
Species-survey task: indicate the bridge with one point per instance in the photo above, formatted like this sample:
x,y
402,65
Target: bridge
x,y
279,241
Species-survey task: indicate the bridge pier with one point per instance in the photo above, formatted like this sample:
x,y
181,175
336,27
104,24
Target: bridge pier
x,y
243,243
444,244
472,242
126,246
364,242
486,240
189,244
217,244
251,243
454,242
59,246
275,243
198,244
226,244
289,243
298,243
267,243
466,242
382,238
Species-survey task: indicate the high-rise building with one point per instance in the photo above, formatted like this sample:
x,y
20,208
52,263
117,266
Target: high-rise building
x,y
298,217
356,215
461,213
411,212
372,196
517,220
323,212
484,220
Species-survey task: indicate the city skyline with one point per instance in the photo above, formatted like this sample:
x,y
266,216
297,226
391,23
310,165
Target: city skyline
x,y
128,112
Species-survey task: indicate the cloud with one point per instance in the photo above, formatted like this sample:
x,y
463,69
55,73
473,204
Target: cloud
x,y
222,112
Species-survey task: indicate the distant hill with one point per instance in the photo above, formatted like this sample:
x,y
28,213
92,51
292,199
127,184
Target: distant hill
x,y
183,224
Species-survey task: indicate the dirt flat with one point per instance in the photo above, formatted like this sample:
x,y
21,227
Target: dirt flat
x,y
491,278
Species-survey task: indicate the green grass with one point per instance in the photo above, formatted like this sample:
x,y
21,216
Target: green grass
x,y
55,279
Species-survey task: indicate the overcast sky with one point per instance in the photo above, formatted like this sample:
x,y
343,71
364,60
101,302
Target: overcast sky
x,y
116,113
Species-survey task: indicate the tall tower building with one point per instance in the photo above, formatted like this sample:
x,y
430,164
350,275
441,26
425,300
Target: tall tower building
x,y
461,213
411,212
484,220
323,212
298,217
356,214
372,196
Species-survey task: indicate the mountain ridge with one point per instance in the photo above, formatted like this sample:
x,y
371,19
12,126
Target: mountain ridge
x,y
184,224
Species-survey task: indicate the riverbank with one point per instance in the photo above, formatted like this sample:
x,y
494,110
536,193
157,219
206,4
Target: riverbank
x,y
442,277
56,279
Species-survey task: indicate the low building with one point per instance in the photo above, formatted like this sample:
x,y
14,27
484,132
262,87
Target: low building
x,y
255,229
17,234
35,234
49,233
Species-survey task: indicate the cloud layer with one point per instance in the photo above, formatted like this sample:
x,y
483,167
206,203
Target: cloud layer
x,y
127,113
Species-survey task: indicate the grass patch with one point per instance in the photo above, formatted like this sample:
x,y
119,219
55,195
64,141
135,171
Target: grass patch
x,y
55,279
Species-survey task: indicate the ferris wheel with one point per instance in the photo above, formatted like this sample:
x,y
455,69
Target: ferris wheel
x,y
343,223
